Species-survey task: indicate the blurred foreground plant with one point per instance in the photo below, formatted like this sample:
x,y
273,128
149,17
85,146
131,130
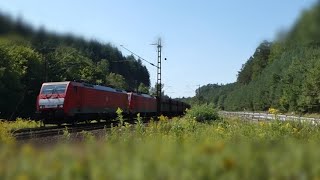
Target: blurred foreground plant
x,y
180,148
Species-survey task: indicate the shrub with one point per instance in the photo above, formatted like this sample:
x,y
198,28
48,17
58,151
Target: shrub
x,y
203,113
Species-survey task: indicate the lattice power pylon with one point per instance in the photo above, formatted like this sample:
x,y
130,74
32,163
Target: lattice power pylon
x,y
159,85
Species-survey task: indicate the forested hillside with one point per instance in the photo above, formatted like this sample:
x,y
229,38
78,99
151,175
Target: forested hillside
x,y
283,74
31,56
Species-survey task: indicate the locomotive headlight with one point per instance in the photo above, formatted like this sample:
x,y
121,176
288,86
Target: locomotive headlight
x,y
41,106
60,106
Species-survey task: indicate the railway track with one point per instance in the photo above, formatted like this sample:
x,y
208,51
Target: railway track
x,y
30,133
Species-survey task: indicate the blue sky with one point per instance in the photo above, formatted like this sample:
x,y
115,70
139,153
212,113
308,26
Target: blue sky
x,y
205,41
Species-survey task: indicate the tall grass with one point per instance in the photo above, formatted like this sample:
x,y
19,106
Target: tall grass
x,y
176,149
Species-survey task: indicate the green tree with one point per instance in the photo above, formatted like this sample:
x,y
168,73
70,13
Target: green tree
x,y
309,99
101,70
116,80
67,63
143,88
20,79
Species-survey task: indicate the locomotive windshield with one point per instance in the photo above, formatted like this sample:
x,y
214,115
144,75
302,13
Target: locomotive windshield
x,y
54,89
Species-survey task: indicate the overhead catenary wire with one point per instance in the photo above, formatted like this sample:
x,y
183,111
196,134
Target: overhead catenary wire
x,y
139,56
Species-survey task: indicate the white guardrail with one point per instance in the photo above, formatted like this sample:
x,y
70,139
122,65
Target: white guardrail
x,y
267,116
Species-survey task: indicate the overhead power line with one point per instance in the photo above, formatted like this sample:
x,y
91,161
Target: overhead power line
x,y
139,56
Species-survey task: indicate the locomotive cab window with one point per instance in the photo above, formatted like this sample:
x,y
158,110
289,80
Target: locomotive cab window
x,y
54,89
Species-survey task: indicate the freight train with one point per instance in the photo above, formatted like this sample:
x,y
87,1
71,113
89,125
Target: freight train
x,y
72,102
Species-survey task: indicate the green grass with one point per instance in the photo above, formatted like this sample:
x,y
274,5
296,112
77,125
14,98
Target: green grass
x,y
176,149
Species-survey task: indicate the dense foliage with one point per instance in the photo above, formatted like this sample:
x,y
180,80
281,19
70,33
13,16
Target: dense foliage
x,y
284,74
29,57
203,113
174,149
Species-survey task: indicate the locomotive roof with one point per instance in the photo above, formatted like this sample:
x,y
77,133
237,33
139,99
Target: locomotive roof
x,y
102,88
52,83
105,88
144,95
98,87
